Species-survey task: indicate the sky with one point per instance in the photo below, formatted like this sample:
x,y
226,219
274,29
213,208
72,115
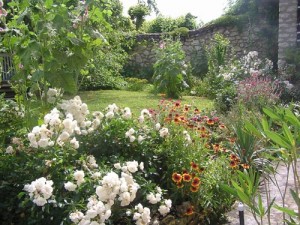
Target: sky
x,y
205,10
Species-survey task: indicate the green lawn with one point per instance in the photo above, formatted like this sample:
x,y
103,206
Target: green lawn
x,y
136,101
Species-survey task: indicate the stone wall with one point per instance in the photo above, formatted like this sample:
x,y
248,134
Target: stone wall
x,y
242,39
287,34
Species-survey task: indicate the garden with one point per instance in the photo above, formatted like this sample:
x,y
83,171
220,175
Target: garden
x,y
86,141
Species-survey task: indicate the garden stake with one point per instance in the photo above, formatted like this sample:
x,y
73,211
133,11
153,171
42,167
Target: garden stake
x,y
241,213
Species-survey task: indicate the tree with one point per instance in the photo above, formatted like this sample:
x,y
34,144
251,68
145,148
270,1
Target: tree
x,y
151,4
137,14
189,22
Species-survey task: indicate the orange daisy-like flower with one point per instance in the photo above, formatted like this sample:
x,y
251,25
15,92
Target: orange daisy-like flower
x,y
177,104
176,120
210,122
224,149
222,126
216,147
186,108
196,111
194,188
233,164
189,211
176,177
231,140
190,125
194,166
179,185
167,120
203,129
196,182
201,169
245,166
233,157
203,135
186,177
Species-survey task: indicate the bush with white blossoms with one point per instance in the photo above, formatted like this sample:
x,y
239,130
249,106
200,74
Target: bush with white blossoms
x,y
86,189
40,190
53,95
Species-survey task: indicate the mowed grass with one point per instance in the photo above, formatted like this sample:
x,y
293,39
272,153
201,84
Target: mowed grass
x,y
136,101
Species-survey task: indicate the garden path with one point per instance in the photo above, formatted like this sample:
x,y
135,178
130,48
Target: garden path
x,y
276,216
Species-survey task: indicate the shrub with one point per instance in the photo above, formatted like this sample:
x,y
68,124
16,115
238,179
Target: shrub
x,y
57,156
258,91
136,84
11,120
216,55
170,70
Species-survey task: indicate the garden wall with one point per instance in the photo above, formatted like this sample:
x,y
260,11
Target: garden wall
x,y
242,39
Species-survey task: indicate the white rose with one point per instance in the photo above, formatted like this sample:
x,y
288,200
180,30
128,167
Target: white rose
x,y
163,132
117,166
79,176
69,186
40,201
132,166
132,138
9,150
140,138
157,126
163,210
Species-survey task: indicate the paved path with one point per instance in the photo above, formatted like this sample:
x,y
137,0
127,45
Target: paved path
x,y
276,216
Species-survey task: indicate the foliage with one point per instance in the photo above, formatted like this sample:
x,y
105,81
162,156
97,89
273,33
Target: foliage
x,y
136,84
237,73
216,57
257,91
163,24
137,14
166,139
280,126
10,120
38,32
180,32
103,71
189,22
225,99
151,4
199,64
246,190
170,70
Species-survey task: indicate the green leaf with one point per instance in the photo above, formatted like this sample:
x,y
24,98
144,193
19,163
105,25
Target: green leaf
x,y
261,208
250,127
271,114
228,189
295,197
290,116
288,211
288,134
265,124
21,194
37,75
278,139
48,4
63,80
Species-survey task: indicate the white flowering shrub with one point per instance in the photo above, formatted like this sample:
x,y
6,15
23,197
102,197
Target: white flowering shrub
x,y
78,167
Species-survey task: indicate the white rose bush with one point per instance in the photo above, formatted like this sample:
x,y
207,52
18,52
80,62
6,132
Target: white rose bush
x,y
107,167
